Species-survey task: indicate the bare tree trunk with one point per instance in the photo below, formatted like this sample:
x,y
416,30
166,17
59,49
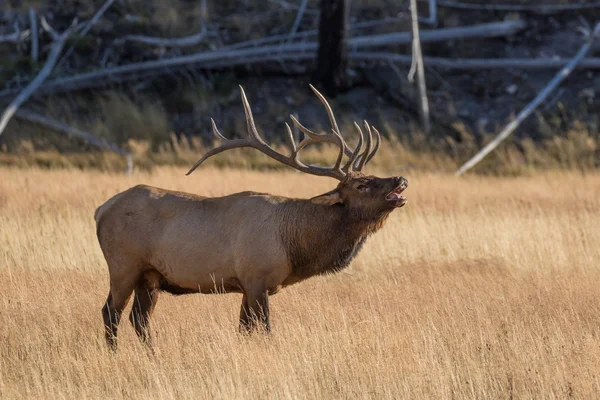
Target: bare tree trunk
x,y
420,68
332,56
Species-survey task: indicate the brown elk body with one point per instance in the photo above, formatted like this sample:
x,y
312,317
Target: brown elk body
x,y
251,243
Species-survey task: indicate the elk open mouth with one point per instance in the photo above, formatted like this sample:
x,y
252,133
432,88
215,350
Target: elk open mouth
x,y
396,198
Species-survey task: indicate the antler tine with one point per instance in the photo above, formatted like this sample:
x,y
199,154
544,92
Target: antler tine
x,y
216,131
377,144
227,145
332,119
291,137
356,151
250,118
255,141
330,114
362,159
314,137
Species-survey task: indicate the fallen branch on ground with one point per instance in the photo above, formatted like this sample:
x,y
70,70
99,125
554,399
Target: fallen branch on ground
x,y
187,41
510,128
57,47
74,132
69,130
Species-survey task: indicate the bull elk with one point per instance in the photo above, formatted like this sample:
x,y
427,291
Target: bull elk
x,y
250,243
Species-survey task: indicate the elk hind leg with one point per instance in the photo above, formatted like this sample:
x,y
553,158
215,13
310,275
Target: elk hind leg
x,y
245,326
120,292
144,301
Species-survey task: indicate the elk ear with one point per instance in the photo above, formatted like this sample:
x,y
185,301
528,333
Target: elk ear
x,y
328,199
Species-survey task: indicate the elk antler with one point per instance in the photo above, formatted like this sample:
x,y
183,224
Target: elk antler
x,y
356,159
369,152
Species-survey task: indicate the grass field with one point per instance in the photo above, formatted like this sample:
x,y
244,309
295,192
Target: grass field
x,y
478,288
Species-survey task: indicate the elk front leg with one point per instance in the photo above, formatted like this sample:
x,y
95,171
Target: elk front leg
x,y
258,309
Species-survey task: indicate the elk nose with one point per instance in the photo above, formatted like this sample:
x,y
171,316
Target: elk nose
x,y
401,182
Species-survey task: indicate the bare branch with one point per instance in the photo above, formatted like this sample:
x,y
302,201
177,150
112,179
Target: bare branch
x,y
510,128
289,6
187,41
50,30
298,20
34,35
86,28
432,19
57,47
418,57
15,37
90,24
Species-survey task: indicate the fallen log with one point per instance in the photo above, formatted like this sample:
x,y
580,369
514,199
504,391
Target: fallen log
x,y
541,8
494,29
235,58
476,63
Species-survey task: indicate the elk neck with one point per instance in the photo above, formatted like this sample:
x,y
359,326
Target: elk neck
x,y
324,239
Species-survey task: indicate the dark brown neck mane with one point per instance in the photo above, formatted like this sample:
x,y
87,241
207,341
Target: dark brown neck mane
x,y
324,239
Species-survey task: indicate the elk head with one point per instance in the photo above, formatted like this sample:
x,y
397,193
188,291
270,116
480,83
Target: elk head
x,y
361,194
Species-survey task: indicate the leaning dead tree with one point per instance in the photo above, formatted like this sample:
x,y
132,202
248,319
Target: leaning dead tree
x,y
59,40
57,46
332,54
510,128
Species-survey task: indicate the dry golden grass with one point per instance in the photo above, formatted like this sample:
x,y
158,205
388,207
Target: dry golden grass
x,y
479,288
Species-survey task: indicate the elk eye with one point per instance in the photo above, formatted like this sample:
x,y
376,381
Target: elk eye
x,y
363,188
